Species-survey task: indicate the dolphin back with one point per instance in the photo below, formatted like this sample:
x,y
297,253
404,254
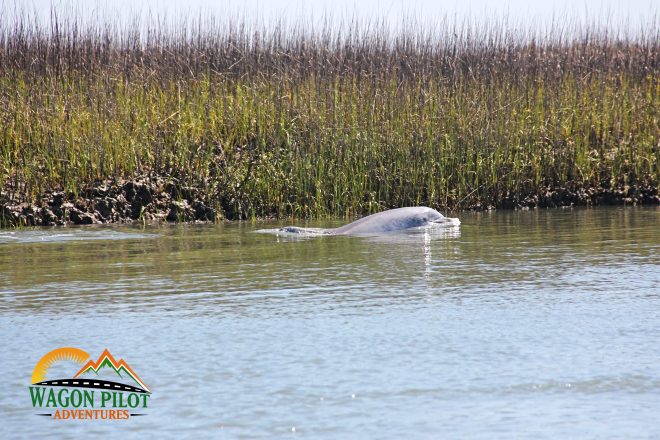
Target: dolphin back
x,y
386,221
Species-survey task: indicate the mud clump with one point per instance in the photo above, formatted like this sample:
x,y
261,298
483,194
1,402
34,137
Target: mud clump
x,y
143,199
549,197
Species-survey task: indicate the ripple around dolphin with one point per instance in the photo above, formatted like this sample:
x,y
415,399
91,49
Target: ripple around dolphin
x,y
73,234
295,232
446,230
393,220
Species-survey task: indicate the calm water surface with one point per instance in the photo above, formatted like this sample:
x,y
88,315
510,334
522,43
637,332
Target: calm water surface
x,y
539,324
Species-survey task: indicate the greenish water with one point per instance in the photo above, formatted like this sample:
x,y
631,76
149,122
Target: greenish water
x,y
539,324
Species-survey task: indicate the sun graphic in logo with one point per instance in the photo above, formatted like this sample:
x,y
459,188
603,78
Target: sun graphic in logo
x,y
100,390
105,362
61,354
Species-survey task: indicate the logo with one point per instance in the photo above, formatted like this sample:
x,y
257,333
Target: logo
x,y
102,389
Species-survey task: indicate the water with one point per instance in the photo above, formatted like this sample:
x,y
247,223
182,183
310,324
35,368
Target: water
x,y
539,324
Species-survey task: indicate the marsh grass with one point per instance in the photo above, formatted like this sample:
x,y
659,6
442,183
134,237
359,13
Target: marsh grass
x,y
351,119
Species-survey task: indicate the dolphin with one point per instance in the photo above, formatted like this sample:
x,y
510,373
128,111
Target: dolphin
x,y
386,221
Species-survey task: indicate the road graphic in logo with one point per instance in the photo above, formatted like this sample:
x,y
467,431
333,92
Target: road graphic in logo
x,y
102,389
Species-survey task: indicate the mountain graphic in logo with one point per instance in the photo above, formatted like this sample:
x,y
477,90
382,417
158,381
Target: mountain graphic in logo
x,y
108,363
102,389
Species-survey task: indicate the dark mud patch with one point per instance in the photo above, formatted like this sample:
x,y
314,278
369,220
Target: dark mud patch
x,y
143,199
549,197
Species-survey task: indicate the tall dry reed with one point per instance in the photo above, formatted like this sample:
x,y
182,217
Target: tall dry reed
x,y
291,120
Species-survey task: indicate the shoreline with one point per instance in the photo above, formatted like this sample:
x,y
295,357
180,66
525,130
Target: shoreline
x,y
149,200
209,123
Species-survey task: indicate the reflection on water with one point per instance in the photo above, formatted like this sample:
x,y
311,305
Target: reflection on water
x,y
57,235
537,322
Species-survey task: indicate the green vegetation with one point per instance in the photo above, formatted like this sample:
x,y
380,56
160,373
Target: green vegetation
x,y
341,121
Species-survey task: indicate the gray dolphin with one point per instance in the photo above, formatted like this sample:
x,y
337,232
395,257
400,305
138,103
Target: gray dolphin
x,y
386,221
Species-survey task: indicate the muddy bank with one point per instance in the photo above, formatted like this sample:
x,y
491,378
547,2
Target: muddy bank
x,y
159,199
550,197
143,199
